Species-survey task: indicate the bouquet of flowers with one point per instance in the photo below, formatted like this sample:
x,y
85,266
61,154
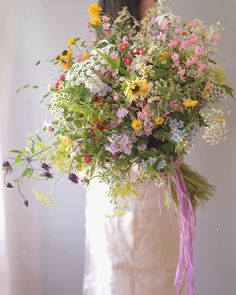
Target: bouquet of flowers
x,y
136,96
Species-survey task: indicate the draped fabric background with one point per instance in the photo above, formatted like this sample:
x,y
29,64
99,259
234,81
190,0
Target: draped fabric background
x,y
45,247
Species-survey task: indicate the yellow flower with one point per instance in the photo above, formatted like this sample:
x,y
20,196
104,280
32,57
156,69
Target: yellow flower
x,y
66,55
85,56
165,55
137,125
219,120
190,103
137,88
71,41
66,66
95,21
159,120
94,9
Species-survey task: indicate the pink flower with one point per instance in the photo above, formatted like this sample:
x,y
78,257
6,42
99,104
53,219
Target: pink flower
x,y
199,50
194,38
182,72
106,26
165,27
216,37
161,36
62,77
174,43
116,97
178,31
105,18
190,62
175,58
173,104
201,68
125,39
184,44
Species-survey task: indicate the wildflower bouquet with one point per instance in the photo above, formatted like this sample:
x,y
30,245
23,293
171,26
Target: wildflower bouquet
x,y
135,97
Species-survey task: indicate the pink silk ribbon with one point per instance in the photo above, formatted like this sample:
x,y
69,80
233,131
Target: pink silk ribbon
x,y
187,227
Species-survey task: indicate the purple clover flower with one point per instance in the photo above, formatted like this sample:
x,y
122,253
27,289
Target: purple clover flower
x,y
45,166
73,178
6,164
48,174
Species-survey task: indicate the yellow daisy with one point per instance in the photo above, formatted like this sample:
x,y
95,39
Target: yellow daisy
x,y
159,120
137,88
94,9
137,125
66,55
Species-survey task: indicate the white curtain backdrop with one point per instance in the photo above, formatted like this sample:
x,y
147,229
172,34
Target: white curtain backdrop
x,y
45,247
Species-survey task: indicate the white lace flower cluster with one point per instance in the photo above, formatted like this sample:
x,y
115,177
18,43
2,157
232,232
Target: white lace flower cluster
x,y
90,73
216,130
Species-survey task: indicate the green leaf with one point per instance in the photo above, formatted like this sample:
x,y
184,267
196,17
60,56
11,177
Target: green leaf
x,y
15,151
18,160
39,138
27,172
38,62
114,64
35,86
228,89
90,147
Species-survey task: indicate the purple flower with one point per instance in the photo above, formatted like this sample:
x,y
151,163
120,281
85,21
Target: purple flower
x,y
120,144
48,174
6,164
45,166
121,113
73,177
154,20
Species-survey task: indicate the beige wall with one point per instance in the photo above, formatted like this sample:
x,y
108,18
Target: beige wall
x,y
45,246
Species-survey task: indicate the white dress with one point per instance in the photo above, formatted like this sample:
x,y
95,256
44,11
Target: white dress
x,y
134,254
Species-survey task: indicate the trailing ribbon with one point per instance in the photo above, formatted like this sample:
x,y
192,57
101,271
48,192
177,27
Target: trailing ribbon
x,y
187,226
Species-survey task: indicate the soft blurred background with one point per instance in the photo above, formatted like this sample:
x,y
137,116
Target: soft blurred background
x,y
42,250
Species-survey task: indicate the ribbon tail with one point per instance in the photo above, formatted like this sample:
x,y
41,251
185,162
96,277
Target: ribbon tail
x,y
187,225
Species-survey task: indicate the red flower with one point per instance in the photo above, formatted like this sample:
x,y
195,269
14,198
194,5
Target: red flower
x,y
62,77
123,46
57,84
133,53
127,60
141,51
87,158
